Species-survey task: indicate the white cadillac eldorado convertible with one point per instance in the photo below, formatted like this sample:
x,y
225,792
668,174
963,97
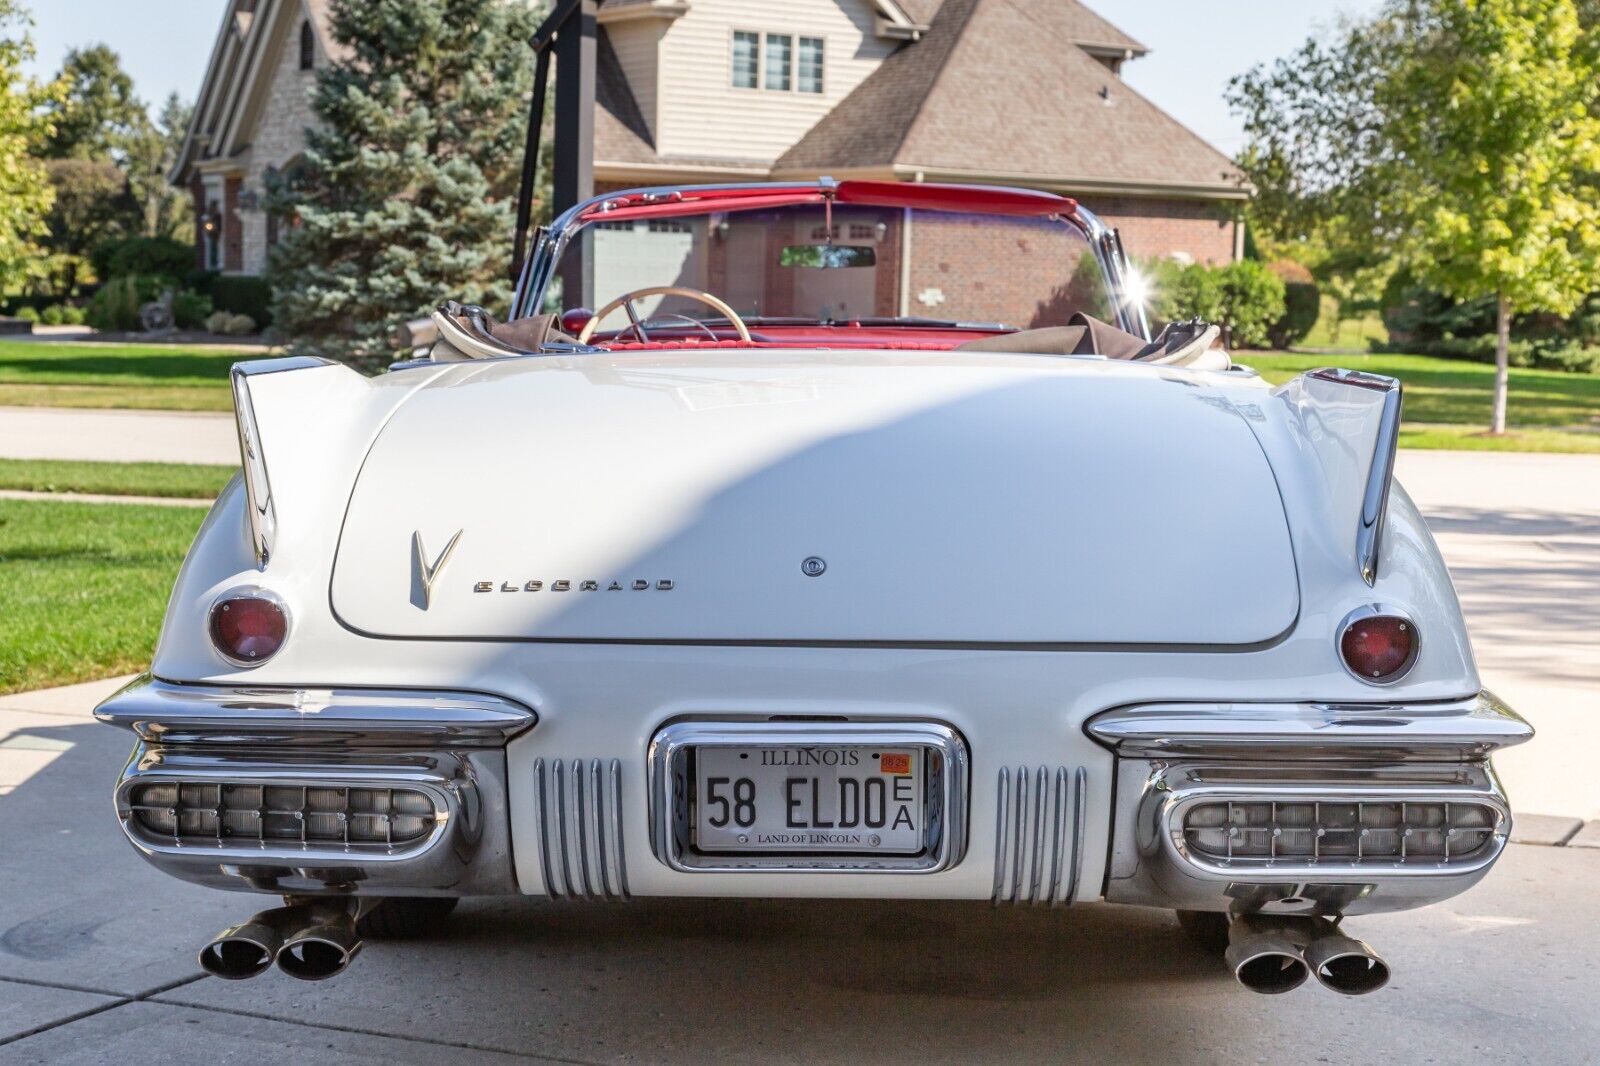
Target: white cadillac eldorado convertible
x,y
827,539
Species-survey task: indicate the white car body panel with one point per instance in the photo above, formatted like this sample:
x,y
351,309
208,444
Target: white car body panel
x,y
1024,706
956,498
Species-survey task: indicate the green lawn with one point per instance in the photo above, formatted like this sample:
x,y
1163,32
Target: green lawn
x,y
83,587
161,377
114,479
1447,401
1352,333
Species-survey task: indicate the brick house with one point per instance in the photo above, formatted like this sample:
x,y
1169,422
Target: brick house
x,y
1017,92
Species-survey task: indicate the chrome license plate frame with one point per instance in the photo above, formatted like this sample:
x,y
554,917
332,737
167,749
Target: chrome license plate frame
x,y
674,793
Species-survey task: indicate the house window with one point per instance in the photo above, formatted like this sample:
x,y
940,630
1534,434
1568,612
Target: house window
x,y
308,46
772,61
810,80
746,59
780,52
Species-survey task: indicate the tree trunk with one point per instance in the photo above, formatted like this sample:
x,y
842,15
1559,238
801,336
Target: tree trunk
x,y
1502,365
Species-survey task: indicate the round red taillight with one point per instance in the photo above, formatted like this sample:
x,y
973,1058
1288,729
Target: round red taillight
x,y
248,626
1378,645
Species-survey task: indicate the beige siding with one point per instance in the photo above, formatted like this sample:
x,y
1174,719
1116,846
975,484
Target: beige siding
x,y
637,42
700,114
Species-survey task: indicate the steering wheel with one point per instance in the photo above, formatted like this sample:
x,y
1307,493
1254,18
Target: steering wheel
x,y
627,298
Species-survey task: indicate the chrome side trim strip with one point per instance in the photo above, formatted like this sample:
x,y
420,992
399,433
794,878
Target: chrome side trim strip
x,y
167,713
1032,832
574,803
1462,729
262,519
671,823
1380,475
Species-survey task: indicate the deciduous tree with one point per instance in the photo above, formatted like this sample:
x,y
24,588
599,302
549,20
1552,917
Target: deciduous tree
x,y
404,196
1458,136
25,193
97,113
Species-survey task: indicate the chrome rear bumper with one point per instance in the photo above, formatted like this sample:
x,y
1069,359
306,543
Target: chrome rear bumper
x,y
294,791
1242,807
1304,808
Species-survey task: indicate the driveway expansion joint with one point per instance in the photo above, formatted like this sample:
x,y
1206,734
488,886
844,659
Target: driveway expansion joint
x,y
357,1031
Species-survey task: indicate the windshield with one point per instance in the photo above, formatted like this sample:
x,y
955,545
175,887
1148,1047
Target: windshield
x,y
852,266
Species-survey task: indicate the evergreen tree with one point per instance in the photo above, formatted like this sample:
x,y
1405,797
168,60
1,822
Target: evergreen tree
x,y
405,195
25,193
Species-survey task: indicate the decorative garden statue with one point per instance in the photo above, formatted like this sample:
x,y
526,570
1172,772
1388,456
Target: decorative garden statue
x,y
156,316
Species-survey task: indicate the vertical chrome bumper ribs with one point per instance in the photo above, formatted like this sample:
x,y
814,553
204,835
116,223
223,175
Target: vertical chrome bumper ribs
x,y
1039,834
580,828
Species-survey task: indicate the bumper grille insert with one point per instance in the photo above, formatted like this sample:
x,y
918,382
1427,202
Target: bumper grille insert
x,y
203,812
1038,832
1340,833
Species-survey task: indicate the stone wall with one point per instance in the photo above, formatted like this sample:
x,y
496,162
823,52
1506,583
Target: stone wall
x,y
279,137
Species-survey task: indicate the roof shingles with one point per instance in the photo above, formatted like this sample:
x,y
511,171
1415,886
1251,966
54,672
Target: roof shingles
x,y
997,86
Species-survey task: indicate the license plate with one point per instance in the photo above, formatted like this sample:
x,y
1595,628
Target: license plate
x,y
809,799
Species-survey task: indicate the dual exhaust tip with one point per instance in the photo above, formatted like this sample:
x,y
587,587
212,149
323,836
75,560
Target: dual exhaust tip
x,y
310,941
1275,955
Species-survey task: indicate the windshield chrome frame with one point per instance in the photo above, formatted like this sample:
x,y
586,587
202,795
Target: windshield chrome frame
x,y
553,240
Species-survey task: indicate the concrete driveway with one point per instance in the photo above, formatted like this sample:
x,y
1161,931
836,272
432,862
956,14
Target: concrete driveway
x,y
97,965
118,436
1521,534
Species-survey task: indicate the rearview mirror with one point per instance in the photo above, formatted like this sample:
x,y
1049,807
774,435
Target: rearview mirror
x,y
828,256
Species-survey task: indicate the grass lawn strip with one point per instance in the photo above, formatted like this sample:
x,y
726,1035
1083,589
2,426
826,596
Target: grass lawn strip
x,y
107,375
1447,400
83,587
115,479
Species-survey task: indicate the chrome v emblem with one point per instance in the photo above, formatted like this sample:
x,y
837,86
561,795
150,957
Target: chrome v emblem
x,y
424,574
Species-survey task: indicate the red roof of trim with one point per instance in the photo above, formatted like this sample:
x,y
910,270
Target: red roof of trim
x,y
975,199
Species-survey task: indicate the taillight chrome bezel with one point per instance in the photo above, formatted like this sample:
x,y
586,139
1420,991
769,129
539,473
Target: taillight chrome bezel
x,y
1370,611
247,592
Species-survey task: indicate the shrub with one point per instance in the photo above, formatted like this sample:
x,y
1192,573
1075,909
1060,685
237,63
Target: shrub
x,y
190,310
1302,304
115,305
62,315
228,323
1182,291
159,257
28,314
243,296
1244,298
1252,300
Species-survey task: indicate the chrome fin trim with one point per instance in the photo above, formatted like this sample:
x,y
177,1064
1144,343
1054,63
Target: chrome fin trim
x,y
1380,475
340,718
261,518
1403,732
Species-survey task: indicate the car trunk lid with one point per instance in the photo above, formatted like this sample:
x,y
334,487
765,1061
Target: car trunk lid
x,y
817,497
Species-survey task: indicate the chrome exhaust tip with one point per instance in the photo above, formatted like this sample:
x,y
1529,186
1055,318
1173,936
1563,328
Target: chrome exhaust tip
x,y
324,946
1347,966
246,950
1264,957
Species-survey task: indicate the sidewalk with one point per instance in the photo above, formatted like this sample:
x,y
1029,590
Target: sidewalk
x,y
118,436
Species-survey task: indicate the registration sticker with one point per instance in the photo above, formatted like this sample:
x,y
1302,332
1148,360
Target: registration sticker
x,y
895,764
